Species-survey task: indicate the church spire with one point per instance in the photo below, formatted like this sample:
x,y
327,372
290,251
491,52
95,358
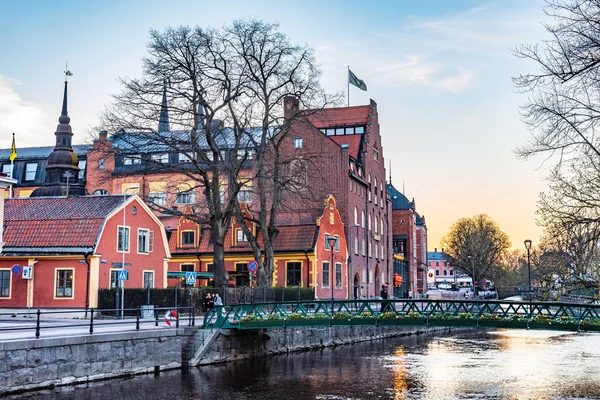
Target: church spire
x,y
163,124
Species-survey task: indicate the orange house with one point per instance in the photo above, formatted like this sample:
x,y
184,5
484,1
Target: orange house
x,y
302,251
60,250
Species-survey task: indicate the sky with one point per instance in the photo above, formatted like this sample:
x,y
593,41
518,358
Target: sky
x,y
439,70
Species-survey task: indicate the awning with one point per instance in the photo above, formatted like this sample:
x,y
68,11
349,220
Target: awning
x,y
199,275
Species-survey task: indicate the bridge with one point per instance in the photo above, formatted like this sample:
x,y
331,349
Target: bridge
x,y
420,312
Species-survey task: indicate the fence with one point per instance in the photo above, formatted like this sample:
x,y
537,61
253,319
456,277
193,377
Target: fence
x,y
195,297
56,320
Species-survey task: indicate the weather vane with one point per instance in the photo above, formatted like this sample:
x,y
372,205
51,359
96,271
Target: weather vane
x,y
67,72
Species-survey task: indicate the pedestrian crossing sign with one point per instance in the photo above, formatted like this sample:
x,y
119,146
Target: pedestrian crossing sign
x,y
123,275
190,278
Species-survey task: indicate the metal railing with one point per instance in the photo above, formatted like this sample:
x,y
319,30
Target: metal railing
x,y
87,321
471,312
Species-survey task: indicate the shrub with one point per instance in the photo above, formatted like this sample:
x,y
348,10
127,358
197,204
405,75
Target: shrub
x,y
388,315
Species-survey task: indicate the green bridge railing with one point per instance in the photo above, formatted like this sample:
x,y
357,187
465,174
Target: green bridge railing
x,y
475,313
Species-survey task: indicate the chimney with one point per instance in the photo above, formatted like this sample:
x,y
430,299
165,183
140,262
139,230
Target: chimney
x,y
435,250
291,105
103,135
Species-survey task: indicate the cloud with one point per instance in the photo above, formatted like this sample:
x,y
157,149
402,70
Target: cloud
x,y
25,118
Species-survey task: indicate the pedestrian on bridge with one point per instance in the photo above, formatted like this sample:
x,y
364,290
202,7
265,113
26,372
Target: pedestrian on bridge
x,y
384,295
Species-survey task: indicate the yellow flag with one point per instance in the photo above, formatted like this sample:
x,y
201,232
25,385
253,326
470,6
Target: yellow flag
x,y
13,150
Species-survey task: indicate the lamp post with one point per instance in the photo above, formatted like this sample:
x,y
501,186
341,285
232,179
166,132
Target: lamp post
x,y
472,276
331,240
421,266
122,285
528,247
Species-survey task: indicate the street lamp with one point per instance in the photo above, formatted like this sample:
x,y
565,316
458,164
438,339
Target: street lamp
x,y
331,240
122,285
423,269
528,247
472,276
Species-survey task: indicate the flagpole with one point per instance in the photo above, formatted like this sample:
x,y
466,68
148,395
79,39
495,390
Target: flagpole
x,y
348,86
12,167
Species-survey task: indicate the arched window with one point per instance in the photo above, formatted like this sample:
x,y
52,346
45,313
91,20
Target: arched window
x,y
375,186
369,221
382,231
362,220
355,216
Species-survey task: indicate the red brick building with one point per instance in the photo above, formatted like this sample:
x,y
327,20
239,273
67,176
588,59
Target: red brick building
x,y
76,245
409,241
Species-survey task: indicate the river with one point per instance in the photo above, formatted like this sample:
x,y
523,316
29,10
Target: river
x,y
507,365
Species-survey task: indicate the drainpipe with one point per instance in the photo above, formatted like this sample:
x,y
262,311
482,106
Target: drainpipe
x,y
87,283
307,268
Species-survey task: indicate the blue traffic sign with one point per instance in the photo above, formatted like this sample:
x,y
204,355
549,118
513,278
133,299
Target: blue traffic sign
x,y
190,278
123,275
16,269
252,266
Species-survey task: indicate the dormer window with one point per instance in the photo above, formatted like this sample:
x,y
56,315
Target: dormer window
x,y
130,160
298,143
162,158
240,236
188,238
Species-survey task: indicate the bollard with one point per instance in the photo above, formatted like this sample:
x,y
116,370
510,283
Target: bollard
x,y
193,319
155,315
137,319
37,324
177,318
92,321
282,294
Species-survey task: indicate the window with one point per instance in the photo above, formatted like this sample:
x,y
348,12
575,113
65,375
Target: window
x,y
376,154
362,219
381,226
350,131
123,239
382,252
338,275
6,168
245,196
336,244
294,277
437,272
445,272
114,282
5,283
364,247
325,273
187,267
101,163
158,198
64,283
339,131
356,245
188,238
186,198
183,158
130,160
359,129
81,165
148,279
355,216
451,272
376,251
162,158
143,235
364,276
375,199
210,267
30,170
298,143
240,237
330,132
370,218
101,192
370,249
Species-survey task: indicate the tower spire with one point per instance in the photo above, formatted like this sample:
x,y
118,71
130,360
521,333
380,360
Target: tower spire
x,y
163,123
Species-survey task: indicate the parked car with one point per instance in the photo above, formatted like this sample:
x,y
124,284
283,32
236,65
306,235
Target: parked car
x,y
444,286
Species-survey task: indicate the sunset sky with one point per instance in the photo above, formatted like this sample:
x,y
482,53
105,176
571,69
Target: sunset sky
x,y
440,72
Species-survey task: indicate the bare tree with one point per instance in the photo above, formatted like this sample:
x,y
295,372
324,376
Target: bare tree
x,y
276,70
563,108
191,74
476,245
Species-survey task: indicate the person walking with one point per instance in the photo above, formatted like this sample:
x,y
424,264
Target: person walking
x,y
208,302
384,295
218,302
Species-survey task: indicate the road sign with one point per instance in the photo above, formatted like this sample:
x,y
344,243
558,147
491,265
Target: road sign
x,y
190,278
123,275
27,272
16,269
252,266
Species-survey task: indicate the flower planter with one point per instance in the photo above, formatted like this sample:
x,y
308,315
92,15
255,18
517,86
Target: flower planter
x,y
400,321
261,324
502,324
590,327
307,322
452,322
341,322
363,321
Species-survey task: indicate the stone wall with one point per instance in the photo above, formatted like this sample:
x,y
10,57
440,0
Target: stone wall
x,y
231,345
37,363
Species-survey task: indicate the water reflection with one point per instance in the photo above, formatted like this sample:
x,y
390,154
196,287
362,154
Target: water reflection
x,y
476,365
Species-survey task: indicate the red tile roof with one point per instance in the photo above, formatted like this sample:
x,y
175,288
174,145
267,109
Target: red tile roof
x,y
339,117
353,142
290,238
56,224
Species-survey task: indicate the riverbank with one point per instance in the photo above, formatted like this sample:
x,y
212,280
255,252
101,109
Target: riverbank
x,y
48,362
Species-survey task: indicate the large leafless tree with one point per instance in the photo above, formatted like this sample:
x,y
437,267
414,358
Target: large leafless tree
x,y
224,95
